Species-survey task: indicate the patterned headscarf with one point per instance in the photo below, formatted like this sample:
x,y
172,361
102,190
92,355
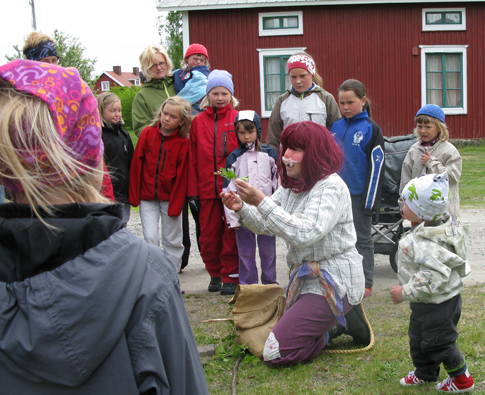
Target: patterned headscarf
x,y
427,195
43,50
72,105
303,62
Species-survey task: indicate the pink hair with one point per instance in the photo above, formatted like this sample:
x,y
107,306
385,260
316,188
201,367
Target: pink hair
x,y
322,156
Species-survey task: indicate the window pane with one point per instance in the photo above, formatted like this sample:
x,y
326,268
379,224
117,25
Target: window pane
x,y
435,97
271,23
271,100
432,19
273,83
453,80
290,22
453,18
435,81
434,63
272,65
453,98
453,62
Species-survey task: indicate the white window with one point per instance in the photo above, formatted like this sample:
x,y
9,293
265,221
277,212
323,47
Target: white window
x,y
280,23
444,78
444,19
273,75
104,86
137,82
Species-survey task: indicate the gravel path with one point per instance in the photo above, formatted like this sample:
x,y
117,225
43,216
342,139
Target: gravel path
x,y
194,278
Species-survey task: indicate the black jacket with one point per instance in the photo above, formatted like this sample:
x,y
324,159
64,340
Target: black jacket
x,y
118,153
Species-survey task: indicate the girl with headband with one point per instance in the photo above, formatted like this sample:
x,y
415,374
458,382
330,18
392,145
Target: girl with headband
x,y
306,100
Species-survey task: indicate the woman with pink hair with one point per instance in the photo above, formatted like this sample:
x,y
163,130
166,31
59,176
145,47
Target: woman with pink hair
x,y
312,212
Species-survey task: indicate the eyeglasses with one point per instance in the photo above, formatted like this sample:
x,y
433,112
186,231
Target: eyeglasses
x,y
157,65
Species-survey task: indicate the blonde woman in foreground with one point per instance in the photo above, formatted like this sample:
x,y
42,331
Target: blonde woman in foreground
x,y
83,302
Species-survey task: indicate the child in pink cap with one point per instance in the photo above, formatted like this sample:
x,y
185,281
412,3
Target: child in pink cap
x,y
191,79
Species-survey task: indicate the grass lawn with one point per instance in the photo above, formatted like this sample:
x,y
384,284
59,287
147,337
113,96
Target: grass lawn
x,y
373,372
472,181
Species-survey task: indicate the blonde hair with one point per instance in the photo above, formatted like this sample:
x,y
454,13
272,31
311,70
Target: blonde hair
x,y
27,130
443,133
34,39
148,59
105,99
316,78
185,113
206,103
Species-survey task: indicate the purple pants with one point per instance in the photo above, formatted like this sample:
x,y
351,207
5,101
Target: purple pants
x,y
301,331
246,246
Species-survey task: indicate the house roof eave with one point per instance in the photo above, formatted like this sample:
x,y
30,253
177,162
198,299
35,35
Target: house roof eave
x,y
202,5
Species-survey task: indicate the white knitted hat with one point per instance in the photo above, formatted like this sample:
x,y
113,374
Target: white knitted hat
x,y
427,195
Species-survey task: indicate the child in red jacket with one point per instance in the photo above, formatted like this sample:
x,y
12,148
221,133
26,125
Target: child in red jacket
x,y
212,139
158,176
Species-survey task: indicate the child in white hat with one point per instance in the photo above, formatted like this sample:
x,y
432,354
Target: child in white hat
x,y
432,264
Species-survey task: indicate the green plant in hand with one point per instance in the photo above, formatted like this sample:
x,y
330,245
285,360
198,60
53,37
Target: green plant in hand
x,y
229,174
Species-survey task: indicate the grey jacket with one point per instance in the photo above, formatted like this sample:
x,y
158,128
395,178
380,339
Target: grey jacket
x,y
315,105
444,156
110,320
433,262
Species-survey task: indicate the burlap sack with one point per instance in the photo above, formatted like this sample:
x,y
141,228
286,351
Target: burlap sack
x,y
257,309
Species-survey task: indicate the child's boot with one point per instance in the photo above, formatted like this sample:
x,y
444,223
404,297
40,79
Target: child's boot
x,y
357,326
457,384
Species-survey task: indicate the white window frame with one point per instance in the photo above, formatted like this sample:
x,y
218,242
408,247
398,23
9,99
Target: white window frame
x,y
271,52
103,86
280,32
444,27
428,49
137,82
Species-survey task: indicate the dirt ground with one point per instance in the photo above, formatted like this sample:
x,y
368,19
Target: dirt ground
x,y
194,278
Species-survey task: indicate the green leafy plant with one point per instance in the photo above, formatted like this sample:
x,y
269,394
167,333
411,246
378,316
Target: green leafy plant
x,y
229,174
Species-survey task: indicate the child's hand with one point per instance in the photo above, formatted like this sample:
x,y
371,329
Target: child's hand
x,y
231,201
425,158
396,294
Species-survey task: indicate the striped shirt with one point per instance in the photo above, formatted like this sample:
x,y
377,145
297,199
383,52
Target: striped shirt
x,y
316,226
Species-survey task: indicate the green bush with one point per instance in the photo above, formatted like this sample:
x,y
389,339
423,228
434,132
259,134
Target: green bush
x,y
126,95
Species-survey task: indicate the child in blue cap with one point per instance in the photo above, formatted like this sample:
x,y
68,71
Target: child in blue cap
x,y
433,153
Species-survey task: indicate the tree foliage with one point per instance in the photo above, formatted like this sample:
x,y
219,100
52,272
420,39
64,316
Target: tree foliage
x,y
172,36
71,54
126,95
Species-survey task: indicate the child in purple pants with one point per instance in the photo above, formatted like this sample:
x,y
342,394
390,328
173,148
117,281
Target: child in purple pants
x,y
257,162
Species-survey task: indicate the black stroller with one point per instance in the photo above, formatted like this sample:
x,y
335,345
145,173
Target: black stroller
x,y
387,223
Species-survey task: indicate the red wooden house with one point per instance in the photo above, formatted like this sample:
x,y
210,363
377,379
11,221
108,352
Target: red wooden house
x,y
407,53
109,79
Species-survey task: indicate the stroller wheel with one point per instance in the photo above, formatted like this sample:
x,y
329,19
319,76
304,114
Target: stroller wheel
x,y
393,257
393,253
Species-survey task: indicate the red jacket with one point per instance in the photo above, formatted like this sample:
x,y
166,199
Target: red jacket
x,y
159,169
212,139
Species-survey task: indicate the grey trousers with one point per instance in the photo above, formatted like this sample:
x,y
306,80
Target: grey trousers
x,y
364,245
